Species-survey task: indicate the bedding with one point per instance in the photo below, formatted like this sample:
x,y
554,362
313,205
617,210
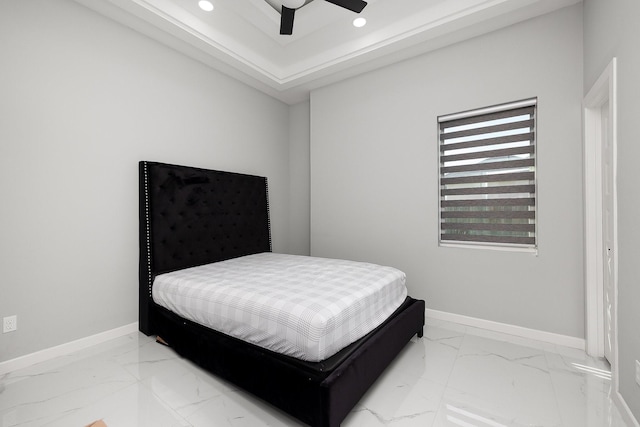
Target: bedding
x,y
308,308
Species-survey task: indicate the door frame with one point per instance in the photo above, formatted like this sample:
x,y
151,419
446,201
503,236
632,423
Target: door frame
x,y
603,91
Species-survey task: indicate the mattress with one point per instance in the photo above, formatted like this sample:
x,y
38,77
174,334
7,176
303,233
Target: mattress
x,y
305,307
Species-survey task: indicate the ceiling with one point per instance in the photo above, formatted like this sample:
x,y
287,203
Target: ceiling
x,y
242,39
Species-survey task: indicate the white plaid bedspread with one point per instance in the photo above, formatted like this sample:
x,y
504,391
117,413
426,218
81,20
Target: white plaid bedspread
x,y
305,307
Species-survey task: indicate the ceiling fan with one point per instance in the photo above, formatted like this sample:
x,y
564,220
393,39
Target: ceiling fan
x,y
289,10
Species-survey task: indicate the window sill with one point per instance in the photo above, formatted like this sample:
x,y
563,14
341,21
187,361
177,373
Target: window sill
x,y
504,248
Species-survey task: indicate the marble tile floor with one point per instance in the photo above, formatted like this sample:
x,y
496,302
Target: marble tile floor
x,y
455,376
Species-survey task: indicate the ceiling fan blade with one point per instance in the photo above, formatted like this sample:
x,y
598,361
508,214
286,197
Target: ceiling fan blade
x,y
286,20
352,5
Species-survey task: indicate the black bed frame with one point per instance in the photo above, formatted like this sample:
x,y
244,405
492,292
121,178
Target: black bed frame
x,y
191,216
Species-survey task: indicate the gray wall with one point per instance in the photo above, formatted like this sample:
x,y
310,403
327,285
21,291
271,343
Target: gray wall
x,y
374,182
299,134
82,100
611,30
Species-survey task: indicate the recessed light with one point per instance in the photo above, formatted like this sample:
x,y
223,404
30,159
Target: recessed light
x,y
359,22
205,5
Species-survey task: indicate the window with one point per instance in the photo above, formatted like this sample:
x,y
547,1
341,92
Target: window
x,y
488,176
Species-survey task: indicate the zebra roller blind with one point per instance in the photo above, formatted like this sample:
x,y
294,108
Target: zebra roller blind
x,y
488,175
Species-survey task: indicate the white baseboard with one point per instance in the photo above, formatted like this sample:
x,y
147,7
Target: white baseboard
x,y
625,411
518,331
64,349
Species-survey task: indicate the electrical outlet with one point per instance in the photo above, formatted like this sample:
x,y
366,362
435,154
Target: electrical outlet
x,y
9,324
638,372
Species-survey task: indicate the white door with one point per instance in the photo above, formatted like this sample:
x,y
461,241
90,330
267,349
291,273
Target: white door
x,y
607,232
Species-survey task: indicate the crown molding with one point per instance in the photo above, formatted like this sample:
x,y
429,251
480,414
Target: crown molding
x,y
241,38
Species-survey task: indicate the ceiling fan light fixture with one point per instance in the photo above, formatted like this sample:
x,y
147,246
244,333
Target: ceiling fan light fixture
x,y
205,5
293,4
359,22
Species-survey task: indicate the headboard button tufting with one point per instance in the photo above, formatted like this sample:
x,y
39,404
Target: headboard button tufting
x,y
190,211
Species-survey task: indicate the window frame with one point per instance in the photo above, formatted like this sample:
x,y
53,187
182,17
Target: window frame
x,y
469,114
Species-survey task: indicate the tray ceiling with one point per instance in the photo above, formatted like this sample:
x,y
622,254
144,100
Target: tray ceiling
x,y
241,37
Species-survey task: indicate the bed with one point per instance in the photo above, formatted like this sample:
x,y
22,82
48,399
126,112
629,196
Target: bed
x,y
191,218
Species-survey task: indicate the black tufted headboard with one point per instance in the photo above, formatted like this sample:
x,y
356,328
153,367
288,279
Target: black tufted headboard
x,y
191,216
